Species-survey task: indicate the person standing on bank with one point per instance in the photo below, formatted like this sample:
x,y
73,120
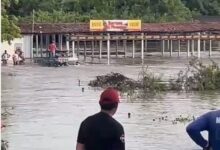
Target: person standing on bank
x,y
101,131
208,122
5,57
52,49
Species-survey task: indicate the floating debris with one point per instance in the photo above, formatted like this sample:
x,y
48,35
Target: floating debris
x,y
115,80
179,119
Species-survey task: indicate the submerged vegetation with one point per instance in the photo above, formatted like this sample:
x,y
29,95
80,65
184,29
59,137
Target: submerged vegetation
x,y
196,77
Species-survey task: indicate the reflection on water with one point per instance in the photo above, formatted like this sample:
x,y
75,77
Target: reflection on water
x,y
48,106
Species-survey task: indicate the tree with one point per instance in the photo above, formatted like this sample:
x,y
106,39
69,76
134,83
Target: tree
x,y
9,28
204,7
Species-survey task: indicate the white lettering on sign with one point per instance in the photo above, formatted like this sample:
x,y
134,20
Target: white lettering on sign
x,y
218,120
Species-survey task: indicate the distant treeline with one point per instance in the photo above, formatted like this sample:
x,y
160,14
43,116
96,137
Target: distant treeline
x,y
83,10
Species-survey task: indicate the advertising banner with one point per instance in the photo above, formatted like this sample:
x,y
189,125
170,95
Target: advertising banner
x,y
115,25
96,25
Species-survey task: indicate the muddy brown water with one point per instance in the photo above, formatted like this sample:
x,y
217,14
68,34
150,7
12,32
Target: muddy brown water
x,y
47,106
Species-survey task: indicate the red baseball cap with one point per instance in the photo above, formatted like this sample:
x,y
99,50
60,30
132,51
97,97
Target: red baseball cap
x,y
109,96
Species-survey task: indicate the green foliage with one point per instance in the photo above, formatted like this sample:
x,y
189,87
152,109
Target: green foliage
x,y
198,77
84,10
149,82
9,28
204,7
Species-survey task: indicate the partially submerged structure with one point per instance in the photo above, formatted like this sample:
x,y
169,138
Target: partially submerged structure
x,y
76,39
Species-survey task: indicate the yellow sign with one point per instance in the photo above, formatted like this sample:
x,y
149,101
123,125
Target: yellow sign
x,y
134,25
96,25
115,25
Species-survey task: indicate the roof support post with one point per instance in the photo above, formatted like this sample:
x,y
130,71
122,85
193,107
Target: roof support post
x,y
199,46
210,48
142,47
47,44
171,48
133,49
78,48
73,49
37,45
163,47
179,48
124,44
188,47
204,45
100,49
61,42
193,46
145,44
116,48
93,48
85,50
108,47
67,44
41,44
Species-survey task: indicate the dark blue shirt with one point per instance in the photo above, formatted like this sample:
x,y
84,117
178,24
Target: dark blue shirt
x,y
208,122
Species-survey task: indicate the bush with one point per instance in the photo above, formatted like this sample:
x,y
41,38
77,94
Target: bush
x,y
198,77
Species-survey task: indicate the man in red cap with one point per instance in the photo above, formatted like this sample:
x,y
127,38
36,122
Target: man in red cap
x,y
101,131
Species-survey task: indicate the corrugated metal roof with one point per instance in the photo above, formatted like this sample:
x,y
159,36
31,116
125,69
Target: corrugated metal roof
x,y
64,28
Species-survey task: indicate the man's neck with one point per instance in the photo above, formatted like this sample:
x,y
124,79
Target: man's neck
x,y
108,112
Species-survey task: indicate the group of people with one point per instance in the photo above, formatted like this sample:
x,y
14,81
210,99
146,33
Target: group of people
x,y
17,57
102,132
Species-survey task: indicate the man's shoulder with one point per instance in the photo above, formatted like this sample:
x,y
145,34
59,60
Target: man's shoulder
x,y
90,118
117,124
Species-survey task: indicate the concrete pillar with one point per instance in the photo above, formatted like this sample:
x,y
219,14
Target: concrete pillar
x,y
188,47
100,49
67,45
93,48
78,48
204,45
199,46
60,41
171,48
108,48
32,47
47,44
116,48
73,49
125,45
37,45
168,45
142,47
41,45
84,50
179,48
193,47
210,48
133,49
163,47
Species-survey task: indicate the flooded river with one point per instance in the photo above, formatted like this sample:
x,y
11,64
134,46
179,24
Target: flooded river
x,y
48,105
